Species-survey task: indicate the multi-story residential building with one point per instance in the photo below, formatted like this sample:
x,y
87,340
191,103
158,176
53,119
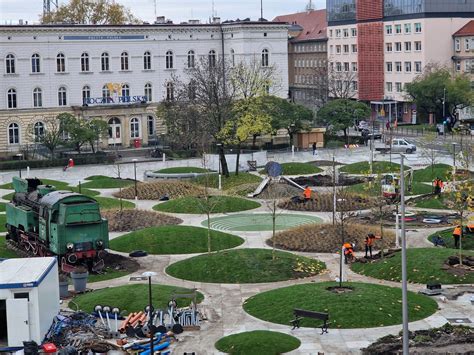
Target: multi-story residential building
x,y
116,73
395,40
463,60
307,57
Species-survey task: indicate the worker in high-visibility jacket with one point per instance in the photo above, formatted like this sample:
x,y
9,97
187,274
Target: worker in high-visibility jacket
x,y
369,242
348,250
307,193
457,233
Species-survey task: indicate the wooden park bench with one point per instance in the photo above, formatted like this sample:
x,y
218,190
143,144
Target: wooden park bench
x,y
301,313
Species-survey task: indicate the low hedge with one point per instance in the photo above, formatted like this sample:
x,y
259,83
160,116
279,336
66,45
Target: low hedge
x,y
82,159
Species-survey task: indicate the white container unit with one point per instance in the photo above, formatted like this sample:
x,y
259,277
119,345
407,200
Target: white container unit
x,y
29,300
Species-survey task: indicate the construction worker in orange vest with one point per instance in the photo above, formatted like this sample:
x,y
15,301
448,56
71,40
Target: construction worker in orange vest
x,y
348,250
369,242
438,185
307,193
457,233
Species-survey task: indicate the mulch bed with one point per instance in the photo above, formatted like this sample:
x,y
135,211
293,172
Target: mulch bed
x,y
130,220
327,180
120,262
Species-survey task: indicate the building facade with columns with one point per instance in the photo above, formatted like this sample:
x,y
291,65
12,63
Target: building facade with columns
x,y
116,73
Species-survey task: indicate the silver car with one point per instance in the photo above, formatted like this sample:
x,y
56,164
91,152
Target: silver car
x,y
400,145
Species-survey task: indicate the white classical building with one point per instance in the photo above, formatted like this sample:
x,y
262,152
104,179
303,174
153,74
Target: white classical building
x,y
116,73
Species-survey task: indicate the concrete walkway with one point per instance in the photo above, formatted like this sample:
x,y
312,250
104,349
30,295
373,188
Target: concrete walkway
x,y
223,302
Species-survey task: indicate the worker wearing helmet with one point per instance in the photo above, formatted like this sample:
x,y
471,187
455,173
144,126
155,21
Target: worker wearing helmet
x,y
369,242
457,233
348,250
307,193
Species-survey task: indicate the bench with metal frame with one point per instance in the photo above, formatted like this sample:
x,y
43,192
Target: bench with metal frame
x,y
302,313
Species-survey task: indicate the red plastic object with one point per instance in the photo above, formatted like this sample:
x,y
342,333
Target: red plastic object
x,y
50,348
137,143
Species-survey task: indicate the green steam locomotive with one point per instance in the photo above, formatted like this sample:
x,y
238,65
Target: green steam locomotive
x,y
43,221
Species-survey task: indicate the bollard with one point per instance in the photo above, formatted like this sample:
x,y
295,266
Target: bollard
x,y
164,157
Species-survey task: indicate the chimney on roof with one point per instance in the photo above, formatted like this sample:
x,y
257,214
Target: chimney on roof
x,y
20,22
216,20
160,19
194,22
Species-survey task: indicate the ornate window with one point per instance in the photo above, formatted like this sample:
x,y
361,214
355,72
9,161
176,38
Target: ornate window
x,y
35,63
265,58
134,128
37,97
62,96
147,61
11,98
104,62
232,57
191,59
169,91
60,63
105,91
84,62
124,61
125,90
151,125
10,64
212,58
38,130
148,92
86,94
169,60
13,133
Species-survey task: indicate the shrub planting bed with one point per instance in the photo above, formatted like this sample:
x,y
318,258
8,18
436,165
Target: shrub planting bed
x,y
424,265
297,169
467,241
366,306
326,238
212,180
130,220
245,266
324,203
257,342
199,205
174,240
157,189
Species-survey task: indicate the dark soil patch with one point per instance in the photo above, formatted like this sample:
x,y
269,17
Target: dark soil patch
x,y
339,290
327,180
131,220
324,203
429,341
325,163
453,266
417,220
278,191
120,263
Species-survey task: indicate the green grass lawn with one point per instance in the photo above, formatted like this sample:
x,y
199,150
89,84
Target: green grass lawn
x,y
245,266
218,204
86,192
4,252
132,298
227,183
106,182
418,188
8,197
108,203
443,171
366,306
2,206
447,236
182,170
3,220
432,202
174,240
297,169
60,185
424,265
257,342
107,275
379,167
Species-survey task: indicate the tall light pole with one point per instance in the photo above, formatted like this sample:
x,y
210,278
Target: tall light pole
x,y
219,145
444,102
150,274
135,171
404,257
454,162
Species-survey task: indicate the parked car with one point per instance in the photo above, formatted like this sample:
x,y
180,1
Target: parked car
x,y
399,145
370,134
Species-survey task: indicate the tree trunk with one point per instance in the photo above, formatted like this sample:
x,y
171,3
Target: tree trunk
x,y
346,139
254,142
224,167
237,160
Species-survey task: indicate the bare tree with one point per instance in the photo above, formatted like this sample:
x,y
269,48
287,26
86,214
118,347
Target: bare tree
x,y
250,79
430,153
49,134
334,81
118,171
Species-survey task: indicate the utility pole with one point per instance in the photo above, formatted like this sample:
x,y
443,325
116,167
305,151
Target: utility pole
x,y
404,258
444,103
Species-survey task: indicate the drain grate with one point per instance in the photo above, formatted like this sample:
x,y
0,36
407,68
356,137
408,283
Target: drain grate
x,y
459,320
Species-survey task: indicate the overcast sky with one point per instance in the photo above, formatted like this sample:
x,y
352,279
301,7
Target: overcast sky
x,y
176,10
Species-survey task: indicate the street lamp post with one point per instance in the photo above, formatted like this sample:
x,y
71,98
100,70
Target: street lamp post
x,y
135,172
150,274
454,162
404,258
219,147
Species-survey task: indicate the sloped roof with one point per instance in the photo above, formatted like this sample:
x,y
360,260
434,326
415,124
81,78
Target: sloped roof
x,y
313,22
466,30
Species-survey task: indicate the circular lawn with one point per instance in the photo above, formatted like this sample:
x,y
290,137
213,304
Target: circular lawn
x,y
365,306
199,205
174,240
133,298
257,342
423,265
245,266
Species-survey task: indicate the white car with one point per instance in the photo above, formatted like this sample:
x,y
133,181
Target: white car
x,y
400,145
